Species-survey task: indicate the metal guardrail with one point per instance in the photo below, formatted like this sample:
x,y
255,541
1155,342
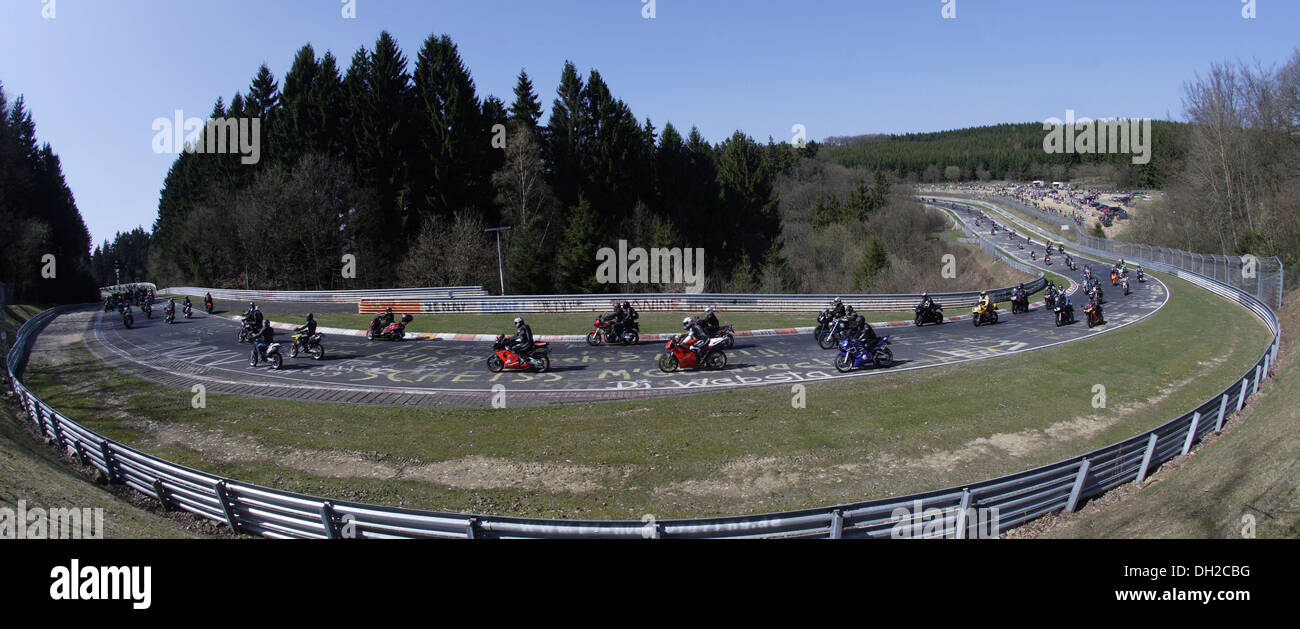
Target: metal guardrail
x,y
329,296
120,287
1019,497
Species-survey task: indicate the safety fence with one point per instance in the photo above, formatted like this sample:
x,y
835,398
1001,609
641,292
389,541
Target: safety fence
x,y
975,510
122,287
330,296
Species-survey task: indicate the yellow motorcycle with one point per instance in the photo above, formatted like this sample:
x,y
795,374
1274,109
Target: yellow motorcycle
x,y
982,314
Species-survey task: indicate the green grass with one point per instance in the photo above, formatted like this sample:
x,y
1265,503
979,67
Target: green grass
x,y
15,315
720,453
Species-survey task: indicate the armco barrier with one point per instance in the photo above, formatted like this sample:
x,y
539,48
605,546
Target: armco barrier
x,y
953,512
329,296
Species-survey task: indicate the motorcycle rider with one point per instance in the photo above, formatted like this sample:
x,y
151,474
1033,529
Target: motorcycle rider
x,y
306,330
382,321
624,315
263,338
709,322
170,308
522,342
207,299
985,304
187,305
837,308
697,337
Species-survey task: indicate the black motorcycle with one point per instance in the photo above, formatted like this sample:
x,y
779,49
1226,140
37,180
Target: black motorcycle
x,y
831,334
1064,314
127,319
247,331
1020,304
928,315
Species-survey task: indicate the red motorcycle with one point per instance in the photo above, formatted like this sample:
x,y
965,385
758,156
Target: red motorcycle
x,y
393,332
1125,281
504,358
679,356
604,333
1093,313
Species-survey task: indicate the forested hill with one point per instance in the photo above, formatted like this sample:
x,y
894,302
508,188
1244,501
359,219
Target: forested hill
x,y
1006,151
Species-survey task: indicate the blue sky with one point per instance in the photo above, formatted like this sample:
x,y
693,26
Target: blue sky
x,y
99,72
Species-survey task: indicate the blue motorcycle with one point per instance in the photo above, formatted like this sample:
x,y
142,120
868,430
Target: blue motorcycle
x,y
854,354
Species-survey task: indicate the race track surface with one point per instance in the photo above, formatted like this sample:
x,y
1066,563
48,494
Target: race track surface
x,y
430,373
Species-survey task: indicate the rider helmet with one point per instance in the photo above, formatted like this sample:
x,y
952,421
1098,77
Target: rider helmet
x,y
309,317
708,309
837,300
519,322
849,309
686,323
627,305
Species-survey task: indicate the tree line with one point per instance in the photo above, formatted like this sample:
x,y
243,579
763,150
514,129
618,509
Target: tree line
x,y
1239,191
402,166
47,245
1012,151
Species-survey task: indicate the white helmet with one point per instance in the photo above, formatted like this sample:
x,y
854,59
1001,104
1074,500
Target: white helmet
x,y
708,309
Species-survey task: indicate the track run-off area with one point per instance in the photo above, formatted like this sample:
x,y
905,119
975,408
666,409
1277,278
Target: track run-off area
x,y
437,373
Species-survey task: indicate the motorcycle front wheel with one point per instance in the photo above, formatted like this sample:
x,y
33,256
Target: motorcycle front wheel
x,y
494,363
667,363
293,351
844,363
593,338
826,340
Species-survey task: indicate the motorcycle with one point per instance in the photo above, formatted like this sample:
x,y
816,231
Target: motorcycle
x,y
207,305
928,315
1033,255
148,310
1020,304
311,345
1114,278
679,356
505,358
832,334
728,335
128,320
854,354
1093,311
1125,283
188,310
246,331
1064,314
1049,300
271,355
982,314
1142,278
169,315
604,333
1047,259
1070,263
394,332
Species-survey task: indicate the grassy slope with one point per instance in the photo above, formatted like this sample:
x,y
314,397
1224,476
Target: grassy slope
x,y
1253,469
730,452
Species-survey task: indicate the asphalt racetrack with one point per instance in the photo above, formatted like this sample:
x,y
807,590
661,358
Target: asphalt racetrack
x,y
205,350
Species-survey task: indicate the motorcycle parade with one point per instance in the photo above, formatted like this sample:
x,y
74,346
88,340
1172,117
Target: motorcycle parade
x,y
703,341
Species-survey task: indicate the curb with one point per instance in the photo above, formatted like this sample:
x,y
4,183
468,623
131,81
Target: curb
x,y
566,338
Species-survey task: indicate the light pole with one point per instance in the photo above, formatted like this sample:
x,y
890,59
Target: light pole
x,y
501,269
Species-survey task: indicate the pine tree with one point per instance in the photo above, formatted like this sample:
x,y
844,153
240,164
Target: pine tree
x,y
874,260
526,108
563,146
576,263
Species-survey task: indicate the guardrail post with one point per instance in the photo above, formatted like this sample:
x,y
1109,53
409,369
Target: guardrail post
x,y
471,529
1255,386
81,454
1241,399
40,420
1146,458
1078,485
54,429
962,523
1223,408
1266,365
163,494
327,519
1191,432
837,524
108,461
219,488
